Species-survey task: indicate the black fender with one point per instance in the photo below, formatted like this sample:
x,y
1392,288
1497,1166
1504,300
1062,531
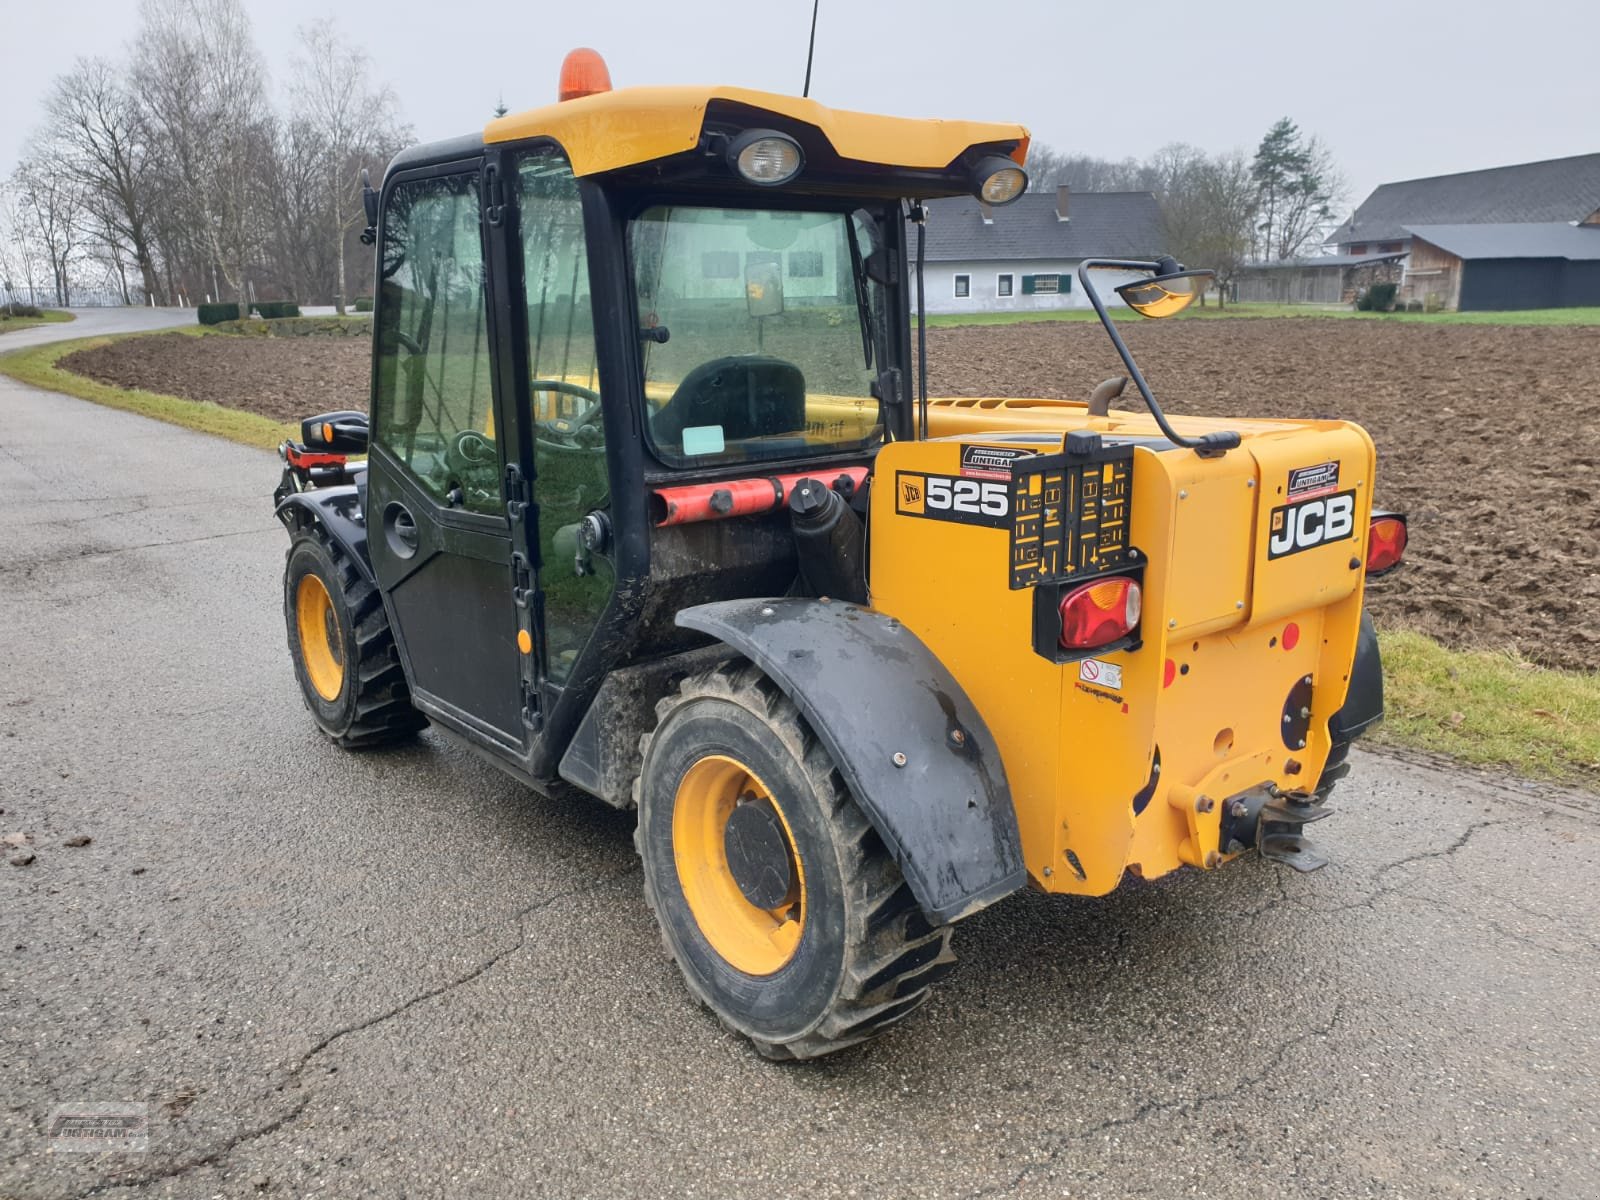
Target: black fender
x,y
339,511
1363,701
911,746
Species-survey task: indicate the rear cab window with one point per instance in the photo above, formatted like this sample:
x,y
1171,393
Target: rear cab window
x,y
757,331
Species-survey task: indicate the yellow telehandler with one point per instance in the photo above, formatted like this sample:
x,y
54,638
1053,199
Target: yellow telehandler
x,y
655,507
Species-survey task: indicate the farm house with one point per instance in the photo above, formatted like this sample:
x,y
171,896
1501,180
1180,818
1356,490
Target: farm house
x,y
1023,257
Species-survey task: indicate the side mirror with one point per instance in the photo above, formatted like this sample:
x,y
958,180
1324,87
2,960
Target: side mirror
x,y
1168,293
369,202
336,432
763,287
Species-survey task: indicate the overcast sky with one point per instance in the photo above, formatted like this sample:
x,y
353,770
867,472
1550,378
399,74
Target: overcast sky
x,y
1398,89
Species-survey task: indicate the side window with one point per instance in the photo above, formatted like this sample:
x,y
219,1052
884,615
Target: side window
x,y
434,406
571,480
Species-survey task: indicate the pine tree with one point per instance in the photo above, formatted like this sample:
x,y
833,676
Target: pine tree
x,y
1296,186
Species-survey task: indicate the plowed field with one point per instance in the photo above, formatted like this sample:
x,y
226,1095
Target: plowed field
x,y
1488,436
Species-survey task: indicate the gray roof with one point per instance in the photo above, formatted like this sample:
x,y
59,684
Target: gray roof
x,y
1559,189
1102,224
1550,239
1326,260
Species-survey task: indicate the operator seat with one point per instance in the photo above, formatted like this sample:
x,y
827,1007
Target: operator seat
x,y
748,395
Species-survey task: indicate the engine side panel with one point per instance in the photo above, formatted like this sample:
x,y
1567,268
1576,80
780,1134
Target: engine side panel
x,y
1210,685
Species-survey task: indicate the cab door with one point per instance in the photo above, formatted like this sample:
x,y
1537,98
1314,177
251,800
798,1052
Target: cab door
x,y
438,530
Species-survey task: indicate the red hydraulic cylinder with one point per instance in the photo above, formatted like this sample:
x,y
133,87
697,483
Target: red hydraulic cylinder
x,y
740,497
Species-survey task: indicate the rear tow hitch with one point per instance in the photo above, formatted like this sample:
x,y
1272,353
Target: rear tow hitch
x,y
1271,820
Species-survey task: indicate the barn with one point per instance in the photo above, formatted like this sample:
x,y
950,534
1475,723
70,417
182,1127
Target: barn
x,y
1324,279
1502,238
1511,266
1555,190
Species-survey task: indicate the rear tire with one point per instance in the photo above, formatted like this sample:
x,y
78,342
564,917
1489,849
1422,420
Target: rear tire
x,y
343,650
846,952
1335,769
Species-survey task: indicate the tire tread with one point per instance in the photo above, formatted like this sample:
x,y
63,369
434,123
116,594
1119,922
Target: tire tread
x,y
384,713
893,953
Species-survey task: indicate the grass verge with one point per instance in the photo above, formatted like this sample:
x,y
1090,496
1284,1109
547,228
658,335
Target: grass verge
x,y
1534,316
48,316
1490,708
36,365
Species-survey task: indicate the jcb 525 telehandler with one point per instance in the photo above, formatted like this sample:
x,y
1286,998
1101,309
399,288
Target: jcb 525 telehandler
x,y
655,507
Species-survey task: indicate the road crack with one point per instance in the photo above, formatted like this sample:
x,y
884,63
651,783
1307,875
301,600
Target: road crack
x,y
1063,1140
218,1153
1383,890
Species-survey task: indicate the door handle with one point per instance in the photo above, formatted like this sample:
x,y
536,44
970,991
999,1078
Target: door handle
x,y
405,528
400,531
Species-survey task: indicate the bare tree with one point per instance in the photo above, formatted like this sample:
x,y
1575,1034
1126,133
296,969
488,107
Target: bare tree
x,y
1212,218
300,256
100,133
16,246
1049,168
202,78
345,112
53,210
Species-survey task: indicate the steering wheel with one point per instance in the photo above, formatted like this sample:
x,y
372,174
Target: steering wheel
x,y
570,433
470,453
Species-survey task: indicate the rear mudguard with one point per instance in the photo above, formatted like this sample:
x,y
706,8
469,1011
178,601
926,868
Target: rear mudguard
x,y
910,745
338,510
1363,701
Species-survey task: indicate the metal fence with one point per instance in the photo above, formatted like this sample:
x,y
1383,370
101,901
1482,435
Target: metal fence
x,y
45,297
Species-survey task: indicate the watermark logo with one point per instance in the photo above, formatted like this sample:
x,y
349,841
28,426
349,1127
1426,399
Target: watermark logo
x,y
96,1127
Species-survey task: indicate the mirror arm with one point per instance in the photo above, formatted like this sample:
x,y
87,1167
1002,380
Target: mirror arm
x,y
1207,445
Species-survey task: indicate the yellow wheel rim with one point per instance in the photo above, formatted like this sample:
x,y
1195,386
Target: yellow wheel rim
x,y
321,642
756,941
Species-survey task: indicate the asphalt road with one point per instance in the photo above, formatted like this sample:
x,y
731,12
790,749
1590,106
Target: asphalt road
x,y
91,322
400,974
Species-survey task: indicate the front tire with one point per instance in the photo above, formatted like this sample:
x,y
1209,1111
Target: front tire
x,y
342,647
777,899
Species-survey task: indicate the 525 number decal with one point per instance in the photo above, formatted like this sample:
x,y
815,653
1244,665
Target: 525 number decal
x,y
950,498
968,496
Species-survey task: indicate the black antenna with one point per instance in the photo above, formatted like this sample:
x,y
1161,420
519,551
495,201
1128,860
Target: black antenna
x,y
811,50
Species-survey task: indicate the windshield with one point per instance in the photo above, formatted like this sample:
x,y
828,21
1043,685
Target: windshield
x,y
757,331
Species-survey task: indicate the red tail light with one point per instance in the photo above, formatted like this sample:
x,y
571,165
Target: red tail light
x,y
1099,613
1386,542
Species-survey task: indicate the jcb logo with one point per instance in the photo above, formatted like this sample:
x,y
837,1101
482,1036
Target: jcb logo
x,y
1297,527
912,497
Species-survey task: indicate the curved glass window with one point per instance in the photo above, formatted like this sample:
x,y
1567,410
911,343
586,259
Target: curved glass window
x,y
570,476
757,330
434,407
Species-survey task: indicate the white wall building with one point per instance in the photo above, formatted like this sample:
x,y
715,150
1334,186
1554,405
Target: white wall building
x,y
1025,256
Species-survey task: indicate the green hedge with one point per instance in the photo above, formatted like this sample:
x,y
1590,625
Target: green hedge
x,y
1378,298
363,303
212,314
18,309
